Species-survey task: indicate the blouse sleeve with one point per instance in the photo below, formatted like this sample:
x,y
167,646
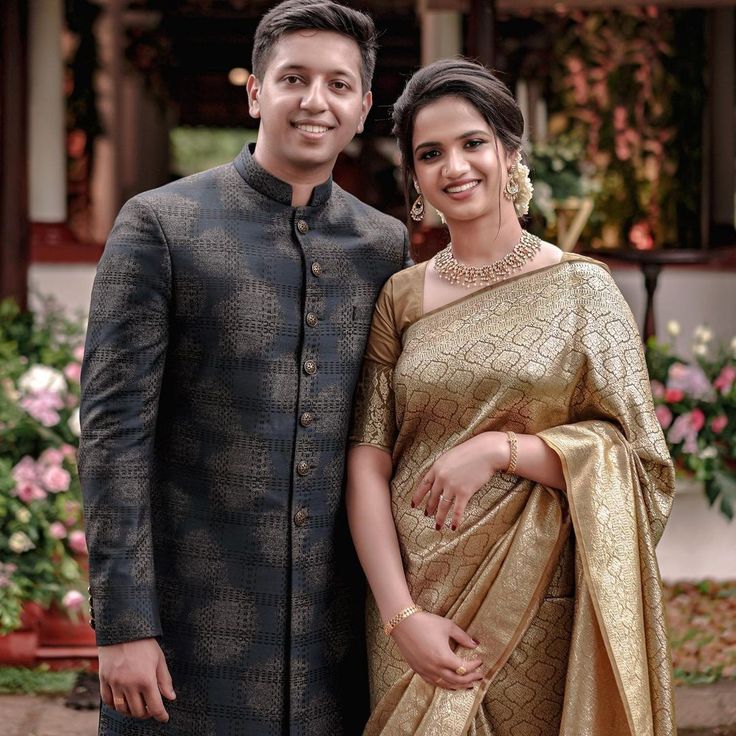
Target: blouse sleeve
x,y
374,421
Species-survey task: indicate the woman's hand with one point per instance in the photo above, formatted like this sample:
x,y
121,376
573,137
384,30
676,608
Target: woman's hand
x,y
424,642
458,474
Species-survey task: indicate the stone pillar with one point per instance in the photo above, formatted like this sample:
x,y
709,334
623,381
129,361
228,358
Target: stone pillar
x,y
46,114
441,30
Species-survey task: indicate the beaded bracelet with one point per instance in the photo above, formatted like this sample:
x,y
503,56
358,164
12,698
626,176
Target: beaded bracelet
x,y
514,447
390,625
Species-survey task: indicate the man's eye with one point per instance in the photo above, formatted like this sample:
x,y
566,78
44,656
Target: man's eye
x,y
339,85
292,79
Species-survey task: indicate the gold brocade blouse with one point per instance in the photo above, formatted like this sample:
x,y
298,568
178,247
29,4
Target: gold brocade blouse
x,y
556,353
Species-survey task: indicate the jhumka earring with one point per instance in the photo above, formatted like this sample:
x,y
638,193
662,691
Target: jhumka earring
x,y
518,186
417,209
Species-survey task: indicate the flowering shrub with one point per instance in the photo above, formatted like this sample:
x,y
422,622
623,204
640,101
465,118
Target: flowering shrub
x,y
696,406
41,539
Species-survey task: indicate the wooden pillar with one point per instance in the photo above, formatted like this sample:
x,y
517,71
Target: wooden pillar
x,y
13,152
481,32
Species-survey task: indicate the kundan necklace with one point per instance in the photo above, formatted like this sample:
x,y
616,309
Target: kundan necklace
x,y
450,269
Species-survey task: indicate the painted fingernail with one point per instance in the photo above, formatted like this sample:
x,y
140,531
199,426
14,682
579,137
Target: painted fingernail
x,y
426,513
475,643
454,527
413,504
438,527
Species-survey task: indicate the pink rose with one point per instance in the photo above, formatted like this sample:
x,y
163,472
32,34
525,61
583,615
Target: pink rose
x,y
78,353
28,492
57,530
78,542
73,600
725,379
25,471
73,372
69,451
718,424
51,456
664,415
697,419
56,479
43,406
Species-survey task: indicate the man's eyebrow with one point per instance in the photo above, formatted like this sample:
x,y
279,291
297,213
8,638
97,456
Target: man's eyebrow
x,y
301,68
429,144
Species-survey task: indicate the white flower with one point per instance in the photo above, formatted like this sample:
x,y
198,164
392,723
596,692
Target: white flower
x,y
708,453
23,515
673,328
19,543
700,349
42,378
74,424
733,346
703,334
524,196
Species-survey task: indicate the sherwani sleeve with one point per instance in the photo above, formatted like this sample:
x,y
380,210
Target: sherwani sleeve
x,y
374,421
620,484
125,352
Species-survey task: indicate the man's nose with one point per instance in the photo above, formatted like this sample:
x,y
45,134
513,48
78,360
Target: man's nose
x,y
314,98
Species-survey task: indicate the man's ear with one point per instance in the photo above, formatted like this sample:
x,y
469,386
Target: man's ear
x,y
253,88
365,109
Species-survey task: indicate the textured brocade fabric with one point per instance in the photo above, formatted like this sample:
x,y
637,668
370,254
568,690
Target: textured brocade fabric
x,y
202,531
561,589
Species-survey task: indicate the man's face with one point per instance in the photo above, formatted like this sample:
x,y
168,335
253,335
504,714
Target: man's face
x,y
310,102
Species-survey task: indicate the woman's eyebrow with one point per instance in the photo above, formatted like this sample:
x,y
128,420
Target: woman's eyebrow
x,y
429,144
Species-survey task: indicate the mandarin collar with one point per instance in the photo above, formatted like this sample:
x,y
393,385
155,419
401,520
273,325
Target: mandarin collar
x,y
269,186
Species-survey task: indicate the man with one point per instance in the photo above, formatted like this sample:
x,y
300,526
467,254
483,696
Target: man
x,y
228,320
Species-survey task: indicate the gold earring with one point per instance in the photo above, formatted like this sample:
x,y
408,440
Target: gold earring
x,y
417,209
441,216
511,190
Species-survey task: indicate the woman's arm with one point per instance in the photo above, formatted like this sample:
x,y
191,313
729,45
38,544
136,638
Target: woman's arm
x,y
422,638
460,472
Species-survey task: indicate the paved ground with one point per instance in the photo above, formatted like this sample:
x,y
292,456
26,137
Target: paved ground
x,y
706,710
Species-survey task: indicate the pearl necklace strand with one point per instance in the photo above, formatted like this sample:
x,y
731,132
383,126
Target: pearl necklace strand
x,y
450,269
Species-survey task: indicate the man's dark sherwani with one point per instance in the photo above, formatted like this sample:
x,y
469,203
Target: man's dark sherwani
x,y
225,338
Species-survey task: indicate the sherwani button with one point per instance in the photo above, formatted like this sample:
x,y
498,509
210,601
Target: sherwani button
x,y
310,367
316,269
312,319
302,468
306,418
302,226
300,517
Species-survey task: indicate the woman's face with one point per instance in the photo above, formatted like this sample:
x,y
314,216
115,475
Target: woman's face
x,y
457,163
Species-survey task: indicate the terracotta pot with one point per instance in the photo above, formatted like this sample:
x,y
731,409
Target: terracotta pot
x,y
18,648
58,630
31,615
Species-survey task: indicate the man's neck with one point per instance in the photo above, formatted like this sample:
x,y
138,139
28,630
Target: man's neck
x,y
302,182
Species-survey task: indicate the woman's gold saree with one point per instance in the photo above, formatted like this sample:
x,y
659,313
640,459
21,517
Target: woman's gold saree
x,y
561,589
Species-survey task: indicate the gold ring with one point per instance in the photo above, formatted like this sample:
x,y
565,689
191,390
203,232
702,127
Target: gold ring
x,y
439,682
118,701
446,500
461,671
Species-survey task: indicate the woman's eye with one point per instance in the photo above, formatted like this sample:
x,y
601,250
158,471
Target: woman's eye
x,y
428,155
474,143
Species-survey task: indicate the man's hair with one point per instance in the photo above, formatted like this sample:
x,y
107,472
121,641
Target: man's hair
x,y
315,15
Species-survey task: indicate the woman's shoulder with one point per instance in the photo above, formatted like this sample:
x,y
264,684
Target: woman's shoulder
x,y
402,295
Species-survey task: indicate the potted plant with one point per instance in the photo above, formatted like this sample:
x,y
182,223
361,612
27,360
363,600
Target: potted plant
x,y
41,539
695,402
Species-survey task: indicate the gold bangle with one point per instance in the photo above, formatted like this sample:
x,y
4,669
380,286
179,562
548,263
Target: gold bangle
x,y
390,625
514,448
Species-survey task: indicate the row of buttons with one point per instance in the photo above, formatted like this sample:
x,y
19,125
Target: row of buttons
x,y
310,368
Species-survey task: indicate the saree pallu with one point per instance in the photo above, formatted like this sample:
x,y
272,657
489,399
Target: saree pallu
x,y
561,589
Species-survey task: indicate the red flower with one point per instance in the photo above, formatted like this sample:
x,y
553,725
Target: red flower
x,y
697,419
673,395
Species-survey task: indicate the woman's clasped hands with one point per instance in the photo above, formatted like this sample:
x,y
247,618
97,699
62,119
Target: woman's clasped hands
x,y
424,641
459,473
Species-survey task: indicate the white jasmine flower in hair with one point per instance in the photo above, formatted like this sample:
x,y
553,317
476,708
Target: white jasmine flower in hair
x,y
522,199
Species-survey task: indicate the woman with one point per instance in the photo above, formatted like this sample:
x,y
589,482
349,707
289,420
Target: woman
x,y
508,479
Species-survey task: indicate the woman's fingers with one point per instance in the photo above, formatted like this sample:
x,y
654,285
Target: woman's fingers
x,y
425,484
434,498
461,637
461,504
453,681
444,505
